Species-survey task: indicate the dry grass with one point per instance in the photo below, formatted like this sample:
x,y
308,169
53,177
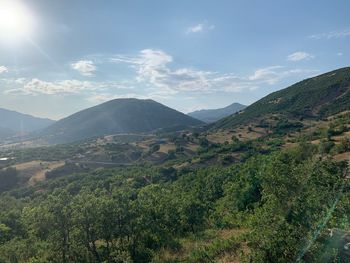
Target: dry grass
x,y
340,137
342,157
192,146
35,171
165,148
190,244
220,136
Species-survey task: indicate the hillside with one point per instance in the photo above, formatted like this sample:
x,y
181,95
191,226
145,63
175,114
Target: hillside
x,y
19,122
5,132
316,97
116,117
212,115
211,194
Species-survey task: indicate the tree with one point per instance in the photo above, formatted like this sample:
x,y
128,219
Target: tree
x,y
8,179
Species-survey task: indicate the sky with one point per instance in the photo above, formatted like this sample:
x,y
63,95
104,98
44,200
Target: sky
x,y
60,56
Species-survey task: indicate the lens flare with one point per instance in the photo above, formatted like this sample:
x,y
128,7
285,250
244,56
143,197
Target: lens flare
x,y
16,21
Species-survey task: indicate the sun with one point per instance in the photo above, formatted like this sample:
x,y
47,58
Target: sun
x,y
15,20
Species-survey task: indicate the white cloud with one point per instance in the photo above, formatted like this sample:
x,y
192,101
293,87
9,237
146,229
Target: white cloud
x,y
199,28
268,75
153,68
37,86
3,69
23,86
85,67
300,55
340,54
332,34
195,29
158,79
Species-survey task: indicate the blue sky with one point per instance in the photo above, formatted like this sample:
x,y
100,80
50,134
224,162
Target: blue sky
x,y
188,55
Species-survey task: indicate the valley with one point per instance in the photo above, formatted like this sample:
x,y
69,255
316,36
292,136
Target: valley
x,y
204,193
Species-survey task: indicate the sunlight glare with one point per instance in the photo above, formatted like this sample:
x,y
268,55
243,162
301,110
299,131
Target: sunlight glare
x,y
16,21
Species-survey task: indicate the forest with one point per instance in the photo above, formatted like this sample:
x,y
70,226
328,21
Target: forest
x,y
281,204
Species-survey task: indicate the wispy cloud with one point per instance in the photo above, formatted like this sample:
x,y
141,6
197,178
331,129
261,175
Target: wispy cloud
x,y
37,86
153,68
62,87
331,34
300,55
3,69
271,75
155,76
84,67
199,28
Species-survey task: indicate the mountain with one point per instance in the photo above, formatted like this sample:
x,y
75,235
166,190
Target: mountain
x,y
5,133
313,98
15,122
213,115
116,117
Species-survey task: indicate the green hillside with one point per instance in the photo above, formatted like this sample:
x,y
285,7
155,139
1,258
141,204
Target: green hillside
x,y
117,116
216,196
315,97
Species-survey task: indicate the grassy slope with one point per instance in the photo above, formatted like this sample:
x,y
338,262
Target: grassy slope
x,y
320,96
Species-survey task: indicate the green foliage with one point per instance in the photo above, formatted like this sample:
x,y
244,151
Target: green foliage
x,y
344,145
154,148
8,179
285,126
280,200
218,247
325,147
297,196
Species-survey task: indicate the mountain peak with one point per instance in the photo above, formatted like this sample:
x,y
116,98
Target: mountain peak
x,y
117,116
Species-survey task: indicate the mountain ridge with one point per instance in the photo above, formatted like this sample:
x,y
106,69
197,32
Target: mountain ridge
x,y
316,97
20,122
212,115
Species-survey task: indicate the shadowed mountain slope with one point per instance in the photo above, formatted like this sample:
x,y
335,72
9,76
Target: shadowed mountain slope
x,y
116,117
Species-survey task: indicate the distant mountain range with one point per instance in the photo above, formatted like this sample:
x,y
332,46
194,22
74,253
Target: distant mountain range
x,y
212,115
12,122
116,117
313,98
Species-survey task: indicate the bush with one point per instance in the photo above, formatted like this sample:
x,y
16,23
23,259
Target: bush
x,y
226,159
344,145
325,147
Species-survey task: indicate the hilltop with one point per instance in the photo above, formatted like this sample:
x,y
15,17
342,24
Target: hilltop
x,y
117,117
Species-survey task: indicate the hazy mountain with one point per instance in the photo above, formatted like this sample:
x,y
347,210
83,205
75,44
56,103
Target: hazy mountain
x,y
14,122
213,115
315,97
5,133
117,116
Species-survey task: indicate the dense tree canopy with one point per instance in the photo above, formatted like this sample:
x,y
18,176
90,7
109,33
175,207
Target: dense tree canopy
x,y
284,201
